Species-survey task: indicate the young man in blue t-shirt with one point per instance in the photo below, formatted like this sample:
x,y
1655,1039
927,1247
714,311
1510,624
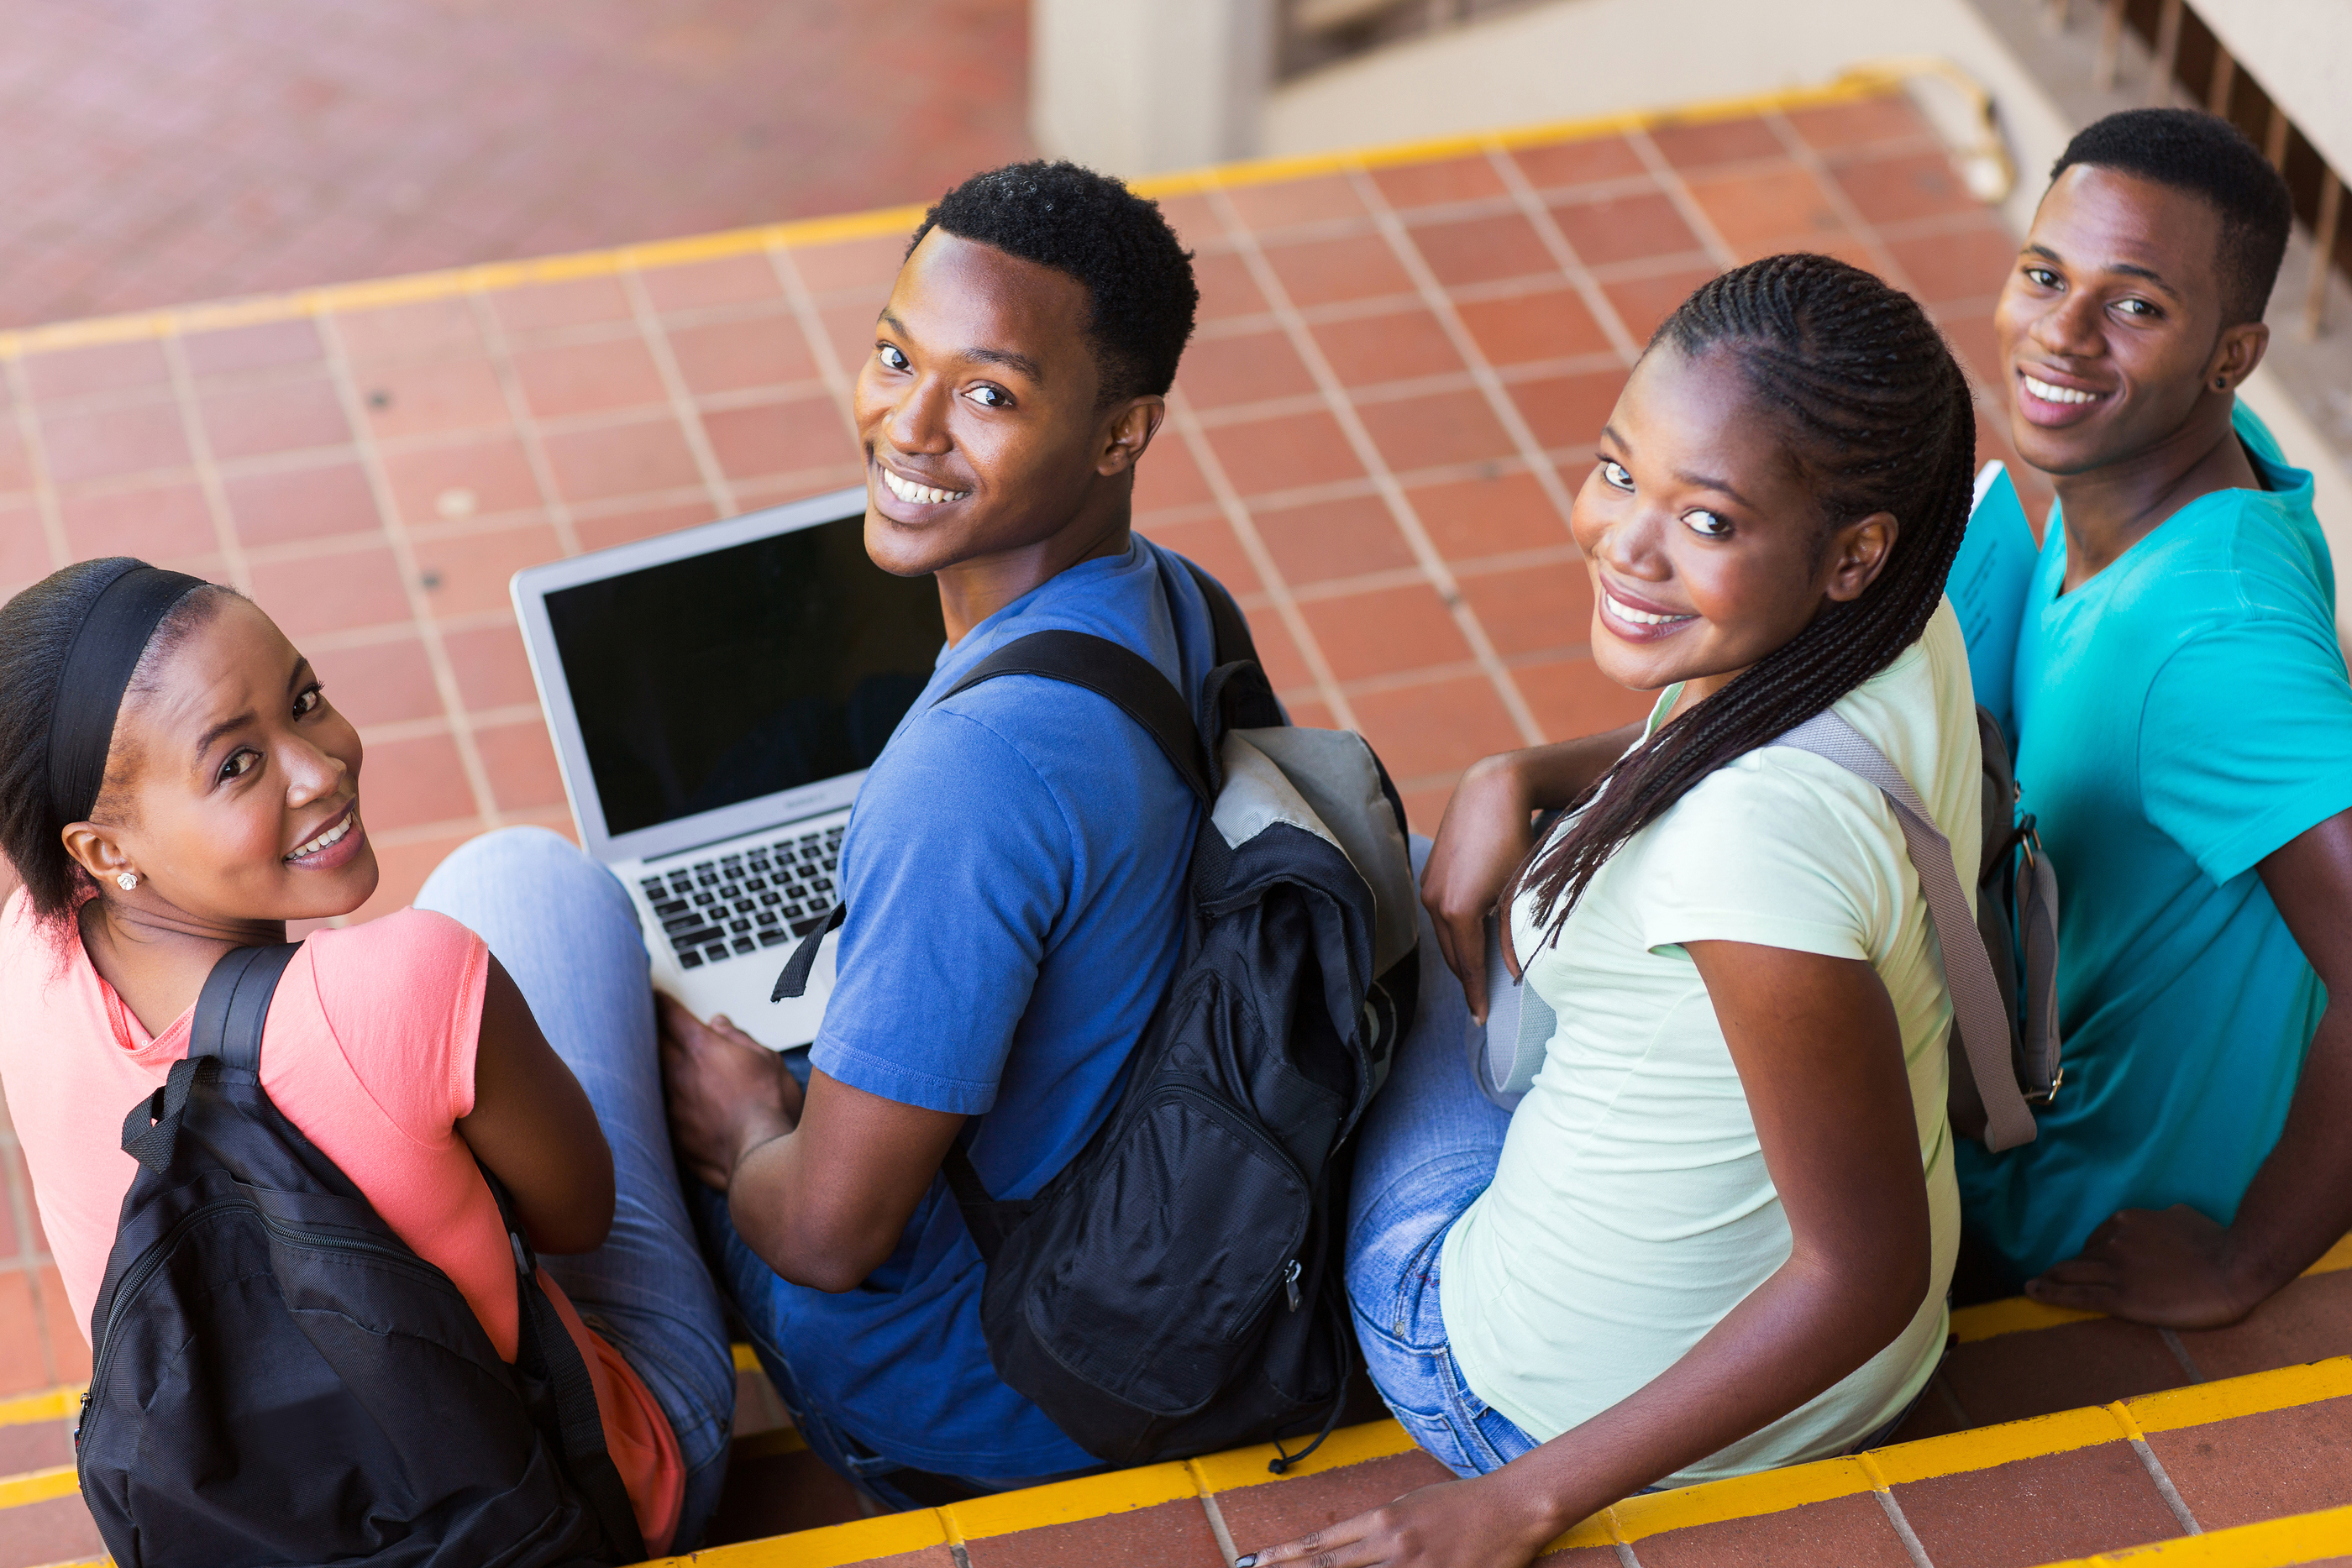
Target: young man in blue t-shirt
x,y
2185,743
1015,869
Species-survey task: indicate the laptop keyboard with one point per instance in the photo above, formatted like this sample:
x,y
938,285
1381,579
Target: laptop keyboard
x,y
734,904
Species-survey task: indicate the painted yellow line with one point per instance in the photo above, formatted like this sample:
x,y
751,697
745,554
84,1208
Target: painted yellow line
x,y
375,294
50,1404
746,1358
2013,1314
1982,1447
2017,1314
1741,1496
832,1546
2273,1544
1239,1467
2202,1403
37,1486
1091,1497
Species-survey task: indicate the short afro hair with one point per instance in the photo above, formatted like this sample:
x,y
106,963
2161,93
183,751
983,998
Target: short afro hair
x,y
1098,231
2210,159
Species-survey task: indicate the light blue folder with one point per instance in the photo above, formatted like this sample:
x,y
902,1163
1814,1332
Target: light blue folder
x,y
1988,587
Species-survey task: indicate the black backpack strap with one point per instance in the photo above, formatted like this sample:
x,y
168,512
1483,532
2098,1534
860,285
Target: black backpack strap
x,y
544,1351
1106,669
1225,617
794,981
990,1219
234,1004
225,1033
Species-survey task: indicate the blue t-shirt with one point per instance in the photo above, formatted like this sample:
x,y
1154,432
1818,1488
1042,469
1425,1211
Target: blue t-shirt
x,y
1015,875
2180,715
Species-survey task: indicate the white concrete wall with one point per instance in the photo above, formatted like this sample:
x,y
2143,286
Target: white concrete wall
x,y
2300,52
1577,58
1138,86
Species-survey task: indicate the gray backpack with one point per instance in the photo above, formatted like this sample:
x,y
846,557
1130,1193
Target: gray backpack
x,y
2004,985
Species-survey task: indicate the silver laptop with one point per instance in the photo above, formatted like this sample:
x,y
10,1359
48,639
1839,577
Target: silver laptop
x,y
714,697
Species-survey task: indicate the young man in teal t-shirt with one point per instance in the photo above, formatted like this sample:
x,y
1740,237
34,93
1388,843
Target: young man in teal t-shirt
x,y
2185,745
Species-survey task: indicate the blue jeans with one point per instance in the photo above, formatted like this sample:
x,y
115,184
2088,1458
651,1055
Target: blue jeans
x,y
1428,1147
568,935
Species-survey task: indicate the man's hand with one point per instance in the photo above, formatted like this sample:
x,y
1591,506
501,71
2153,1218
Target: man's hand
x,y
1477,1524
728,1092
2172,1267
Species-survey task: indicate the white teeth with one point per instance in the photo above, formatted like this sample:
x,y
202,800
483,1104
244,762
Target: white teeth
x,y
332,836
2049,394
920,495
1638,617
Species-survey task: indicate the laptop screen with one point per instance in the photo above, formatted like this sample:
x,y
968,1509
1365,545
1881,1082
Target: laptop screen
x,y
762,668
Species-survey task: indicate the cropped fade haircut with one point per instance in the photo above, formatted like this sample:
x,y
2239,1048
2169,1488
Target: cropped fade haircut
x,y
1093,228
2211,159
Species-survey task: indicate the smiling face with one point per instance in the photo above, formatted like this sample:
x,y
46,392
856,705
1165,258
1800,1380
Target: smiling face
x,y
978,412
2111,324
1706,548
233,787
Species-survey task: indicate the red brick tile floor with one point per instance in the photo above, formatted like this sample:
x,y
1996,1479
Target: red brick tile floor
x,y
1399,375
163,151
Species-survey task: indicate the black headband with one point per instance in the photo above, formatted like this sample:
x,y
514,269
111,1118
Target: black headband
x,y
97,671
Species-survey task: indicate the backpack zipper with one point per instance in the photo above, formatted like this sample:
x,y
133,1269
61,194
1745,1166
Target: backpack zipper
x,y
1237,1121
151,1260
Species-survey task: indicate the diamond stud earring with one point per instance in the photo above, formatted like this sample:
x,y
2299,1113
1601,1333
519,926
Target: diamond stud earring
x,y
127,880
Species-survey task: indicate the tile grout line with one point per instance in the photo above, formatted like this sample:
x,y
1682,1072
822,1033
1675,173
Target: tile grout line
x,y
1555,240
525,425
2181,1353
1671,180
200,460
404,551
1885,1493
1805,157
681,403
2155,1469
1482,371
1270,578
29,1259
36,456
1367,455
829,368
1216,1515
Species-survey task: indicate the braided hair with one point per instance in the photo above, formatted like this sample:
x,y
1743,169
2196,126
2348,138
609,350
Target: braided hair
x,y
1877,417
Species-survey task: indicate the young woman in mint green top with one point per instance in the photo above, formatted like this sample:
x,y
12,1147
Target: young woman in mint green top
x,y
1716,1234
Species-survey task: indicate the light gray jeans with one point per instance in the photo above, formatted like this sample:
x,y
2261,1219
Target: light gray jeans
x,y
567,933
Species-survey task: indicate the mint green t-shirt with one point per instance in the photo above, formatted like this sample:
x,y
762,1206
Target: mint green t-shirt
x,y
1631,1210
2180,715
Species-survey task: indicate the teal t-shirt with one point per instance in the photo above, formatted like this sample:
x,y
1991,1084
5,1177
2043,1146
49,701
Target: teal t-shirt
x,y
2179,716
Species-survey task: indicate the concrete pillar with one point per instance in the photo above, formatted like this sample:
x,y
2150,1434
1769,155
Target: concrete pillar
x,y
1143,87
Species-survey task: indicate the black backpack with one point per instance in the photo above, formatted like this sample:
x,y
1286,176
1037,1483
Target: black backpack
x,y
280,1380
1177,1289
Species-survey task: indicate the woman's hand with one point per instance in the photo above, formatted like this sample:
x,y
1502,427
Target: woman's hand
x,y
728,1093
1479,1523
1485,833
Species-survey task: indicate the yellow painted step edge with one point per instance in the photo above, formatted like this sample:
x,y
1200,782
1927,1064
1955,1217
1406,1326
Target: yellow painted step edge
x,y
2272,1544
37,1486
2016,1314
50,1404
1860,83
746,1358
1636,1518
